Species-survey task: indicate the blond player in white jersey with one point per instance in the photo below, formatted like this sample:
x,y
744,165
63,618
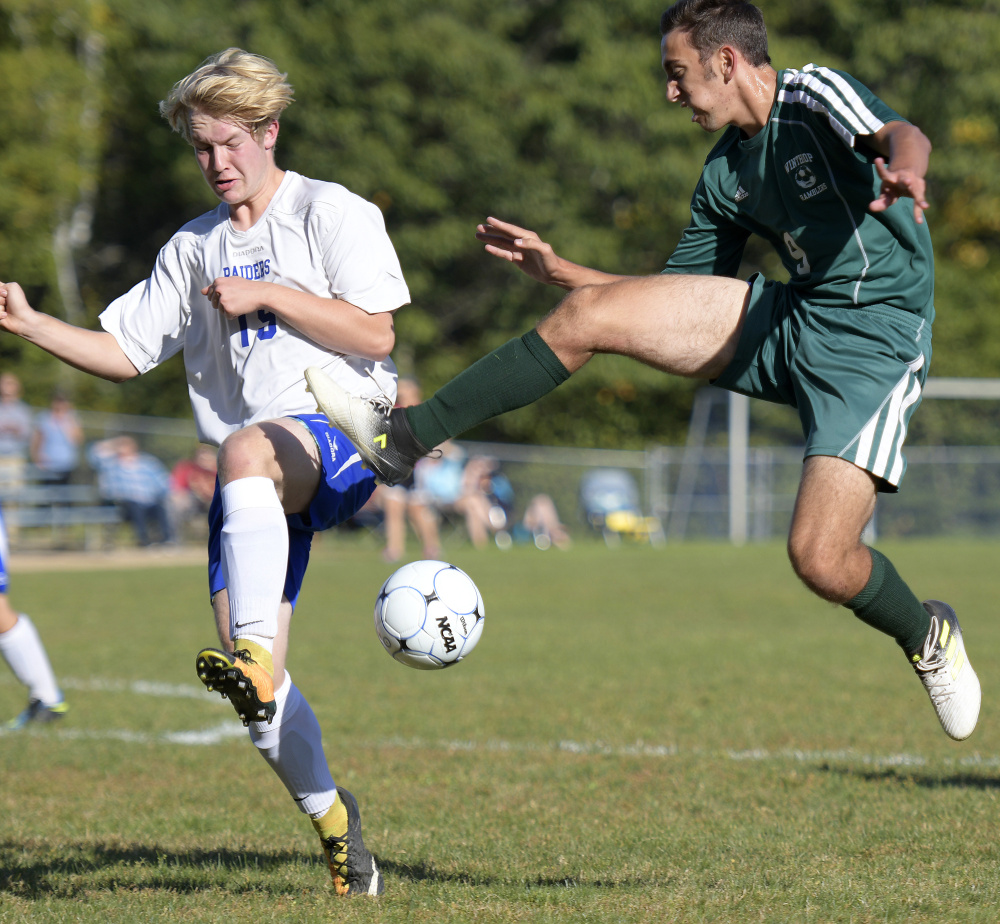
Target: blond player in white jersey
x,y
285,273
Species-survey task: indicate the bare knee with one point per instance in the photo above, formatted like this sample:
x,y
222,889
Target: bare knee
x,y
830,567
573,329
243,454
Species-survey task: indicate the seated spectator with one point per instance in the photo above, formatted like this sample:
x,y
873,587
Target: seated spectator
x,y
541,524
406,501
55,443
137,483
486,502
192,484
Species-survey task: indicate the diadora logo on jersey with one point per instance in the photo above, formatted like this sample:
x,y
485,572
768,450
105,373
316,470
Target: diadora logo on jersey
x,y
800,171
333,447
741,194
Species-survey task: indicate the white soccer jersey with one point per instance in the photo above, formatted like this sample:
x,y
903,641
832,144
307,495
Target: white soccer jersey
x,y
316,237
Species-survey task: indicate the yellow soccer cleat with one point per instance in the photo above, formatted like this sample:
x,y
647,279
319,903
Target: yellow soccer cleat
x,y
241,680
352,867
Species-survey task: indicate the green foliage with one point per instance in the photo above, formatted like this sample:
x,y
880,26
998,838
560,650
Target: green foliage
x,y
549,114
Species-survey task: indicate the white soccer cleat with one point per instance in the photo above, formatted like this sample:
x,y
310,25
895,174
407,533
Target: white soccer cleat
x,y
384,439
944,669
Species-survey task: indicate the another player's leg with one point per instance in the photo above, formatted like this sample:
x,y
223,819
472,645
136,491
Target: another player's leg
x,y
686,325
836,500
21,647
392,440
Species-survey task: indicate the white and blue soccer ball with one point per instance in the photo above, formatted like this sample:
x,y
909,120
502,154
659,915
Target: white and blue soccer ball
x,y
429,615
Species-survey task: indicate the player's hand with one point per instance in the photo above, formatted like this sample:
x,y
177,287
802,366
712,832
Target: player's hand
x,y
522,248
14,308
235,296
900,184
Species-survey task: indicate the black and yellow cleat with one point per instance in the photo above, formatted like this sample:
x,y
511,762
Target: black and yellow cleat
x,y
241,680
352,867
37,713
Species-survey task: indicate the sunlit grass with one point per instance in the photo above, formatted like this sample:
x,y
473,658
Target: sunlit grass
x,y
681,734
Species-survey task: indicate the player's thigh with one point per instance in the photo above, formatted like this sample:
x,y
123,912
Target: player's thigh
x,y
685,325
283,450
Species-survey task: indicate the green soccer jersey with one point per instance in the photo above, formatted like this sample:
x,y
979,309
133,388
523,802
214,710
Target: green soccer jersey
x,y
804,184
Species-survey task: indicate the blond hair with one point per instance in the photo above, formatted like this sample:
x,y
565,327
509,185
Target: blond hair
x,y
233,85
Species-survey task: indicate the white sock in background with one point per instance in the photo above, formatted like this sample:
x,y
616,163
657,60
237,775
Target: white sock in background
x,y
254,558
21,647
293,745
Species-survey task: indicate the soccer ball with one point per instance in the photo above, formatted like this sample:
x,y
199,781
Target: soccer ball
x,y
429,615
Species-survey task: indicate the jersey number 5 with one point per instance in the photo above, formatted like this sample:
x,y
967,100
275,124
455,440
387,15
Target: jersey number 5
x,y
268,327
797,253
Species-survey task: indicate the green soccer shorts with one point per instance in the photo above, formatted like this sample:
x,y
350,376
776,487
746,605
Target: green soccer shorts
x,y
855,375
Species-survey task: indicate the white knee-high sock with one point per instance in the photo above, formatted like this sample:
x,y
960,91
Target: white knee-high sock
x,y
254,557
22,649
293,745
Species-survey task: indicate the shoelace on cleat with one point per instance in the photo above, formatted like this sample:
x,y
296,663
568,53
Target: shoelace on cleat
x,y
341,844
933,665
335,845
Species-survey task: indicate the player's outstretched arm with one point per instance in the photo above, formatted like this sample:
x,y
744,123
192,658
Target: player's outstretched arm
x,y
534,257
96,352
903,175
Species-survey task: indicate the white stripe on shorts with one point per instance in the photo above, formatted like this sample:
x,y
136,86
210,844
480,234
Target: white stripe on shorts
x,y
885,430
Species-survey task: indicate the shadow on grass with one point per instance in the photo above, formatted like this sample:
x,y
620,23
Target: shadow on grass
x,y
910,778
426,872
34,871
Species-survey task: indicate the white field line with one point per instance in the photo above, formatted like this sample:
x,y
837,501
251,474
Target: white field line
x,y
138,688
222,733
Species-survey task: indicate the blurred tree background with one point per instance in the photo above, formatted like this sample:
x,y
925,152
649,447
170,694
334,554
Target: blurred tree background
x,y
548,113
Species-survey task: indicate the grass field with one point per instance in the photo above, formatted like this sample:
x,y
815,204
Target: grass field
x,y
681,734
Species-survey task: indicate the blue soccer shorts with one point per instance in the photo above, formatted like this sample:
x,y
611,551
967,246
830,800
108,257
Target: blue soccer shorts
x,y
344,488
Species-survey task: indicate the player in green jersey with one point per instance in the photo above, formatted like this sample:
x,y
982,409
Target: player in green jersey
x,y
817,165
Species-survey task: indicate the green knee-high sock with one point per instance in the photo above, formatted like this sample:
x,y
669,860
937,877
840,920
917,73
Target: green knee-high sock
x,y
888,604
518,373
